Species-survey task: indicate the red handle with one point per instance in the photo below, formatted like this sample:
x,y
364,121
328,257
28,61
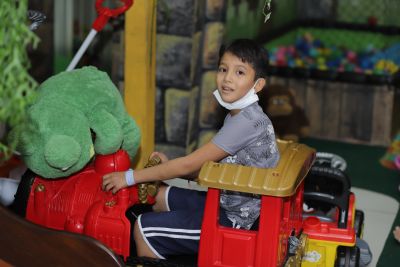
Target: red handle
x,y
106,13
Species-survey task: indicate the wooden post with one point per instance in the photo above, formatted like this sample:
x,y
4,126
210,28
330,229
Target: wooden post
x,y
139,92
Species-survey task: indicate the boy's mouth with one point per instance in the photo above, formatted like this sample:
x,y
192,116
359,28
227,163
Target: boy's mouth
x,y
226,89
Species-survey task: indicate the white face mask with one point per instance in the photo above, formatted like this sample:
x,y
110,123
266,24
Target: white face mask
x,y
243,102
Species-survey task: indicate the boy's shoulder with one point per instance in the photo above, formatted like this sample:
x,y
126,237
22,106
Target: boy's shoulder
x,y
254,113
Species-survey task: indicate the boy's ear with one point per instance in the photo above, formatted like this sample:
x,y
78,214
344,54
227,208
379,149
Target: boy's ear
x,y
260,84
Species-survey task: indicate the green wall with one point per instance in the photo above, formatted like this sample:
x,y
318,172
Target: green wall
x,y
357,11
245,18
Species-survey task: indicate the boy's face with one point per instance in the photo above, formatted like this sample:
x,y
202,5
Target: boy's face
x,y
235,78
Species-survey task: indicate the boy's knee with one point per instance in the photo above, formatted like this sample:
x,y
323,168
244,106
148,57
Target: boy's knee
x,y
142,249
136,231
137,236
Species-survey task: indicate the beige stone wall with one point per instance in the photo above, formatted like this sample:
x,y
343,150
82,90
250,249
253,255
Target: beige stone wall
x,y
189,35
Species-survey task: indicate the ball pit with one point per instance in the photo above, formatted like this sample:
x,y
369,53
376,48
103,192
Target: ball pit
x,y
312,53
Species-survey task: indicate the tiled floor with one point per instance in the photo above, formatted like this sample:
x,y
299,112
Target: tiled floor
x,y
379,210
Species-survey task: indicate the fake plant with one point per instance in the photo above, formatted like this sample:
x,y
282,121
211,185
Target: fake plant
x,y
17,87
76,114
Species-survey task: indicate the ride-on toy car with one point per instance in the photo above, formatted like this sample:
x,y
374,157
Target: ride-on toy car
x,y
283,236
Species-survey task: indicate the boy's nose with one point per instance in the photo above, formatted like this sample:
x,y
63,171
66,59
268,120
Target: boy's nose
x,y
228,76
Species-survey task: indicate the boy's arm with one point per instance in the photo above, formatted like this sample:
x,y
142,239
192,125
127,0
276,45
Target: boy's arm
x,y
179,167
192,176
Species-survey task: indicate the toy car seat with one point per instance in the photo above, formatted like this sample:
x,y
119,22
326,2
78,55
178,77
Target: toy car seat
x,y
330,227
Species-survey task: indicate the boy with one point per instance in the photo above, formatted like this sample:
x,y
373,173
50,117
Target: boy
x,y
247,138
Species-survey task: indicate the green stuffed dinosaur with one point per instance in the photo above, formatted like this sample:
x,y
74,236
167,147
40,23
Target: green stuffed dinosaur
x,y
73,109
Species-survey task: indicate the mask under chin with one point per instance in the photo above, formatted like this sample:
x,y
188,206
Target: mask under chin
x,y
248,99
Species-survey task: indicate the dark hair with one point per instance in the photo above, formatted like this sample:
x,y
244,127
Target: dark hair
x,y
249,52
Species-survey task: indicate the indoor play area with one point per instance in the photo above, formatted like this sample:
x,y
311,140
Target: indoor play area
x,y
105,105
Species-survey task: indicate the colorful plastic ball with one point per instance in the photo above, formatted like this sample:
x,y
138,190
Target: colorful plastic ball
x,y
351,56
299,63
317,43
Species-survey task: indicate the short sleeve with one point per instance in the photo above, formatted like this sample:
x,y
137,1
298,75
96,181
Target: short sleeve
x,y
235,134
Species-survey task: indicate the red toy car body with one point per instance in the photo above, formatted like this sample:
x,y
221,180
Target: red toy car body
x,y
78,204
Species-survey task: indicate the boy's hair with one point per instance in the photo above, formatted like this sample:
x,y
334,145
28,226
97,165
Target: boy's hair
x,y
249,52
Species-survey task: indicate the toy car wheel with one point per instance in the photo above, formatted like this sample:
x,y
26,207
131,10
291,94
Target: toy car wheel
x,y
347,257
359,223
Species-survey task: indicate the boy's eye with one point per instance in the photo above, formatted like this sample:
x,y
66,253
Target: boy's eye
x,y
221,69
239,72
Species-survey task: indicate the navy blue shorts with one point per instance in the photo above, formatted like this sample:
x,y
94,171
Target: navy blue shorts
x,y
177,231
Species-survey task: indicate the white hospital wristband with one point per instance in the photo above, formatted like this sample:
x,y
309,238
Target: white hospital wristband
x,y
129,178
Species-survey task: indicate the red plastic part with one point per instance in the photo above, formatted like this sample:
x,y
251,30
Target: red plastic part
x,y
329,231
104,13
78,204
225,246
13,162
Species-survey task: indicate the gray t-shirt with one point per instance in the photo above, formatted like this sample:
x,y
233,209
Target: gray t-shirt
x,y
249,138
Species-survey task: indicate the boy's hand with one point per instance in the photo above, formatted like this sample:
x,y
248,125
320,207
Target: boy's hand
x,y
114,182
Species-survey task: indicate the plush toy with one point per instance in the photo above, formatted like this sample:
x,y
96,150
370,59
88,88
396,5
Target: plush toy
x,y
77,114
391,159
288,119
